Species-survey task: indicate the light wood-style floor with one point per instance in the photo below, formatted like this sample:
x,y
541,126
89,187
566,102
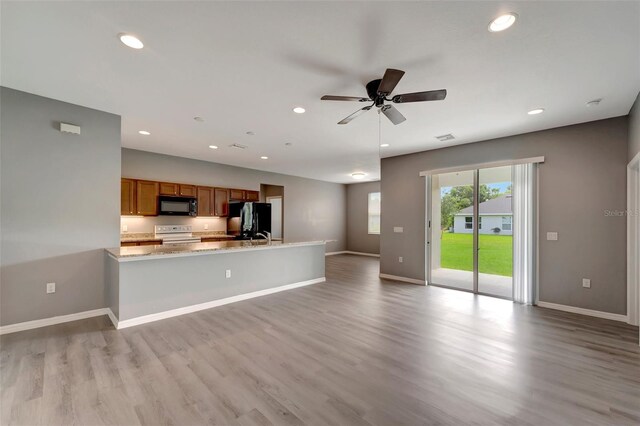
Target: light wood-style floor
x,y
352,351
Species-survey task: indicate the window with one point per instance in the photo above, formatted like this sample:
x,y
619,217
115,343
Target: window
x,y
506,223
374,213
468,222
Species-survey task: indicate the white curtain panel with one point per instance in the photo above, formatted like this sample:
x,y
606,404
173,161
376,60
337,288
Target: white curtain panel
x,y
523,233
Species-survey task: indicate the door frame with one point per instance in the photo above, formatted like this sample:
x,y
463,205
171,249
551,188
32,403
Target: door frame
x,y
633,240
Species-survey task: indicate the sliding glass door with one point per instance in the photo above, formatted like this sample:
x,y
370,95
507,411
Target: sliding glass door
x,y
470,231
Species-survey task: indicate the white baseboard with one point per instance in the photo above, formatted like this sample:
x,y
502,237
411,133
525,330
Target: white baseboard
x,y
112,317
28,325
119,324
357,253
583,311
333,253
403,279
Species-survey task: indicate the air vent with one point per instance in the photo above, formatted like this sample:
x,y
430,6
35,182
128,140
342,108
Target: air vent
x,y
444,138
238,146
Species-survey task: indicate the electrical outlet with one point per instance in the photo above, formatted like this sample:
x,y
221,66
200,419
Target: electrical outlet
x,y
125,228
206,226
586,283
400,259
227,273
51,288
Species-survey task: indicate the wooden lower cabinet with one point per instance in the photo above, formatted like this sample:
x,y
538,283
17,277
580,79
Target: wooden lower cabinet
x,y
221,202
128,197
140,243
205,201
214,239
147,197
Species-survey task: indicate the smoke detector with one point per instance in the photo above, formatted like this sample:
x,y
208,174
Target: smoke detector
x,y
444,138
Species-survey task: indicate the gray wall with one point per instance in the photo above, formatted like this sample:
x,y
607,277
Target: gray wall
x,y
314,210
634,129
59,210
358,237
584,174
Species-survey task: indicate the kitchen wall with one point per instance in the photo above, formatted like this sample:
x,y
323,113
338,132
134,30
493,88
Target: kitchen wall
x,y
634,129
358,237
583,175
314,210
59,209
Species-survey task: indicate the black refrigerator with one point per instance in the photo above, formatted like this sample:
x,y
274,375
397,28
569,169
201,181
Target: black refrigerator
x,y
260,219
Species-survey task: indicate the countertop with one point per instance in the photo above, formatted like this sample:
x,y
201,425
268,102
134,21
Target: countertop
x,y
138,237
123,254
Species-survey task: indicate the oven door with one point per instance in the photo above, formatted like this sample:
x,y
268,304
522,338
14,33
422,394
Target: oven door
x,y
177,206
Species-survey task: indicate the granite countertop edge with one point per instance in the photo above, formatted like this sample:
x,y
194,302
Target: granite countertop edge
x,y
124,254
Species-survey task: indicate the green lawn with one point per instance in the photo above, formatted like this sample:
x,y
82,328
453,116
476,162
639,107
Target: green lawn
x,y
495,255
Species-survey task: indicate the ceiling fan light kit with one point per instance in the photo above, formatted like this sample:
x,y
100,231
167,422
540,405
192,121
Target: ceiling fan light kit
x,y
379,90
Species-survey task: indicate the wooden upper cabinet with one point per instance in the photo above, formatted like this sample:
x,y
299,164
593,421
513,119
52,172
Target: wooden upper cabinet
x,y
127,197
252,196
221,202
236,194
147,197
187,190
167,188
205,201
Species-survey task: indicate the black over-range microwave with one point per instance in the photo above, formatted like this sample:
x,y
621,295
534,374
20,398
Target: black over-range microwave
x,y
178,206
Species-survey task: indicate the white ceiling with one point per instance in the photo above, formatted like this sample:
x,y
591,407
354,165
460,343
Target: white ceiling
x,y
244,66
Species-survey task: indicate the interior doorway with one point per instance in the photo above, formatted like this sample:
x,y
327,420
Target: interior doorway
x,y
274,195
471,231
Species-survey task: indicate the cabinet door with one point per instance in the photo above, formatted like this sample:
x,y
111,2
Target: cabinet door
x,y
147,197
236,194
221,202
150,243
128,244
205,201
167,188
127,196
187,190
252,195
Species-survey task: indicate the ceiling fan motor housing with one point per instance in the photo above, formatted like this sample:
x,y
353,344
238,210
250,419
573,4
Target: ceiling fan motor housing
x,y
372,91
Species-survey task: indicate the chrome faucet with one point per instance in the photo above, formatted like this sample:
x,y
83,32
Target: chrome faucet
x,y
266,235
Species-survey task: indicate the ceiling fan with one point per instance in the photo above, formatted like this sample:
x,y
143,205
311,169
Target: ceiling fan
x,y
378,90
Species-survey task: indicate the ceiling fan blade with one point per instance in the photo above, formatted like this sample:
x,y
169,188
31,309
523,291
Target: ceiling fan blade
x,y
343,98
431,95
389,81
358,113
393,114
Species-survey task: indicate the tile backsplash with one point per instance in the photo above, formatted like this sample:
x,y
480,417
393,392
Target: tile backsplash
x,y
146,224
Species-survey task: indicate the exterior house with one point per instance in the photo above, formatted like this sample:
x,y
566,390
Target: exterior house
x,y
495,217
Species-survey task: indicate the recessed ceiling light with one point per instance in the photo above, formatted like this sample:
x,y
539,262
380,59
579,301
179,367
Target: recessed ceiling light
x,y
594,102
198,119
264,157
536,111
358,175
131,41
384,145
299,110
213,147
502,22
144,132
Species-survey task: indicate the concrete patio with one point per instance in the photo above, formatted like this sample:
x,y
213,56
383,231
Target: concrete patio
x,y
496,285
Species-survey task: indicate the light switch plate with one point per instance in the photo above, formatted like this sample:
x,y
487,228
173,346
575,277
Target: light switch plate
x,y
552,236
398,229
125,228
586,283
400,259
51,288
227,273
206,226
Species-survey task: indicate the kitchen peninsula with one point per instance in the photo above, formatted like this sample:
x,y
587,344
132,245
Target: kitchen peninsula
x,y
149,283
